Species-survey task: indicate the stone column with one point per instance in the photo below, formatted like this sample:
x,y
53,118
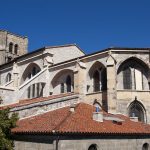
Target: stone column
x,y
15,75
80,78
46,90
111,85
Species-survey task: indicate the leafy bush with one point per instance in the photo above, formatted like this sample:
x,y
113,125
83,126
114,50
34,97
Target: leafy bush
x,y
7,122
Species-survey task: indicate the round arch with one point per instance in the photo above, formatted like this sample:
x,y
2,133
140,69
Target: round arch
x,y
133,58
133,74
96,77
145,146
95,66
93,147
63,81
137,109
31,70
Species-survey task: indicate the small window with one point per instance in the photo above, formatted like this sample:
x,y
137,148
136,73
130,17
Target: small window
x,y
96,81
68,83
29,92
127,79
145,146
62,89
16,49
33,90
136,110
10,47
93,147
8,77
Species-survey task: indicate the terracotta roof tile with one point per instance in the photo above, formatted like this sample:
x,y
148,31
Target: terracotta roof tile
x,y
80,121
35,100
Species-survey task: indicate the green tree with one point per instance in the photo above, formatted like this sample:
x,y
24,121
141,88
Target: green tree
x,y
7,122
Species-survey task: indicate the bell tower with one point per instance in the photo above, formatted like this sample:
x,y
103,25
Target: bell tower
x,y
11,46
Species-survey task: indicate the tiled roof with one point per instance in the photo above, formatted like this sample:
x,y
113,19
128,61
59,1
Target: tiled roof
x,y
65,122
35,100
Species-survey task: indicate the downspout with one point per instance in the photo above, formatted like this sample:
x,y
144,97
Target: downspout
x,y
57,141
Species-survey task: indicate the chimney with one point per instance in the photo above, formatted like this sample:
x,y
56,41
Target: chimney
x,y
72,108
135,119
133,116
98,115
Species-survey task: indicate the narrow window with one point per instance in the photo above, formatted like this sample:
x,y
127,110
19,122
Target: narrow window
x,y
33,90
96,81
29,92
145,146
62,88
127,78
104,79
10,47
68,83
38,89
8,77
16,49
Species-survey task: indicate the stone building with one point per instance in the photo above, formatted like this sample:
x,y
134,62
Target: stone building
x,y
80,128
115,79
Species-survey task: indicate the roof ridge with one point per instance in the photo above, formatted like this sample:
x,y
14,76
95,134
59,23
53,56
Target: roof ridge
x,y
63,121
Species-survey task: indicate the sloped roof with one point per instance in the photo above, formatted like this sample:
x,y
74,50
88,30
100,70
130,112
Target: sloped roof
x,y
62,121
35,100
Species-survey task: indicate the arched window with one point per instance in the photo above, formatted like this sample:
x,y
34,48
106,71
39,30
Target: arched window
x,y
137,110
11,47
62,89
16,49
145,146
104,79
92,147
127,78
8,77
96,81
68,83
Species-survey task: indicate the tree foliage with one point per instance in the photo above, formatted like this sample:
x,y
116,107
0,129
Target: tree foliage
x,y
7,122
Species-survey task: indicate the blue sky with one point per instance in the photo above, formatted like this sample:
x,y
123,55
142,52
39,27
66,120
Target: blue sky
x,y
91,24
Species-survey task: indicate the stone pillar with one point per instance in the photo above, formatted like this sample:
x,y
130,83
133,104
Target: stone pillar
x,y
111,85
48,59
46,90
15,75
80,78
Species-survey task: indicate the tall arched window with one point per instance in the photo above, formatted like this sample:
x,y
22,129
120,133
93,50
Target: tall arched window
x,y
92,147
11,47
16,49
96,81
145,146
8,77
68,83
127,78
137,110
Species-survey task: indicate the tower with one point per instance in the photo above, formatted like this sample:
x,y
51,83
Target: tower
x,y
11,46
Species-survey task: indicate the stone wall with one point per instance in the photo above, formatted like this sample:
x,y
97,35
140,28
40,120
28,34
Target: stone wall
x,y
80,142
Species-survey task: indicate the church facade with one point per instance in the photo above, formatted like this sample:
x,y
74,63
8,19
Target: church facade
x,y
115,79
118,78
